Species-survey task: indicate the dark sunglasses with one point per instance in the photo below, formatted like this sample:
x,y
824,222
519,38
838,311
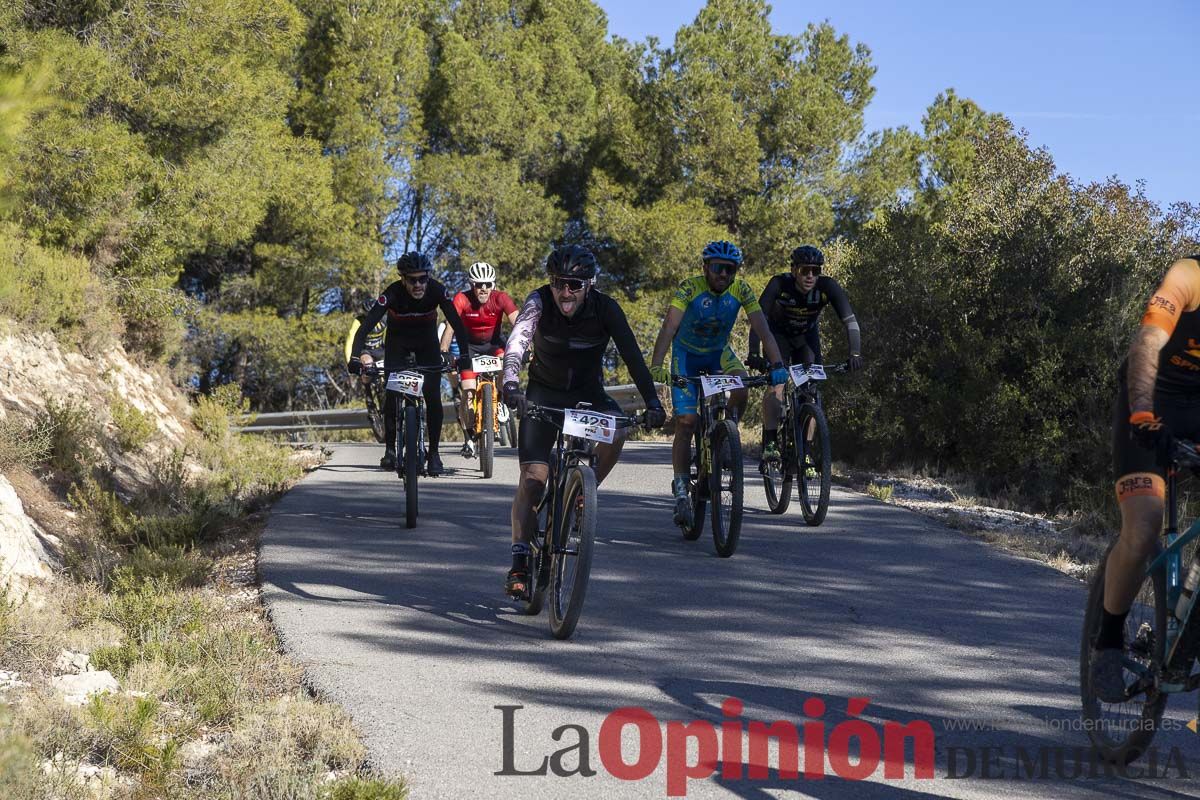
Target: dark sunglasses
x,y
483,285
724,269
809,270
570,284
416,279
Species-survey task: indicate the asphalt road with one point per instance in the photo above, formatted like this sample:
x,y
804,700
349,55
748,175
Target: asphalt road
x,y
409,630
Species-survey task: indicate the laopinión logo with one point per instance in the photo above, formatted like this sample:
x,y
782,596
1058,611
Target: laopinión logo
x,y
854,748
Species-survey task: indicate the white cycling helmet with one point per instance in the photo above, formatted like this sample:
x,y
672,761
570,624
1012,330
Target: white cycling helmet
x,y
482,272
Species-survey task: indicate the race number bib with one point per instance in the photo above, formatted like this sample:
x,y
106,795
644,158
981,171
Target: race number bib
x,y
589,425
406,382
486,364
715,384
801,376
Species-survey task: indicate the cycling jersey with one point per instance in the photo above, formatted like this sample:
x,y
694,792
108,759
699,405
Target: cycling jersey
x,y
484,320
568,361
792,315
411,322
373,342
1175,308
708,318
568,353
792,312
412,335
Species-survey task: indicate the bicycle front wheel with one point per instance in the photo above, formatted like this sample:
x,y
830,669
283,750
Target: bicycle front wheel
x,y
411,462
571,562
1122,731
726,491
486,424
815,470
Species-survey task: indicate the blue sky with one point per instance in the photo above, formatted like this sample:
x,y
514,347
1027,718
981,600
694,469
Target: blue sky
x,y
1110,88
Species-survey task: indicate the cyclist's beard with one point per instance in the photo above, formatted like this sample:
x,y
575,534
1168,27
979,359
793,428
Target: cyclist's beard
x,y
482,295
568,304
416,292
717,283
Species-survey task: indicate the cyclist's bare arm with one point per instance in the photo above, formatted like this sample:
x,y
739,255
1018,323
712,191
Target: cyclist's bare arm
x,y
665,334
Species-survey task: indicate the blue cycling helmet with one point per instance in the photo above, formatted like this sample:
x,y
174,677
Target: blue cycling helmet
x,y
723,250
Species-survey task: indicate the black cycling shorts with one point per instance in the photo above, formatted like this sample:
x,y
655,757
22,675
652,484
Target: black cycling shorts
x,y
536,438
1180,413
806,350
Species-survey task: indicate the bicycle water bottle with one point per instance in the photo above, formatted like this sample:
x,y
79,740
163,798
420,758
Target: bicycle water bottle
x,y
1189,588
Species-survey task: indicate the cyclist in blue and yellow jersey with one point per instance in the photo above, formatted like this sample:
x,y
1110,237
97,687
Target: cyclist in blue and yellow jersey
x,y
697,327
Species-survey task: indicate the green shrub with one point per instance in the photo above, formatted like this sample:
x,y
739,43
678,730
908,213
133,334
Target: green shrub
x,y
167,565
101,511
74,436
53,291
135,427
211,418
126,733
366,789
24,443
880,491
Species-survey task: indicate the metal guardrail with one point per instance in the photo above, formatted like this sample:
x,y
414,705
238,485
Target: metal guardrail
x,y
350,419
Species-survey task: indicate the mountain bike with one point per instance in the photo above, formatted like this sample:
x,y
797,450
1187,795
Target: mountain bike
x,y
803,446
561,548
373,394
1162,633
716,469
407,384
488,414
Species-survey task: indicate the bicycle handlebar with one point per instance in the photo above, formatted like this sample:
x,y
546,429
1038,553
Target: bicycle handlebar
x,y
682,381
555,415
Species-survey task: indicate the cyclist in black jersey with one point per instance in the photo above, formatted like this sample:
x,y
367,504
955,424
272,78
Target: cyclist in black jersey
x,y
793,303
1158,399
411,305
569,325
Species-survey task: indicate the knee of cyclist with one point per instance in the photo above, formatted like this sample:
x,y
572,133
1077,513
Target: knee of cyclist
x,y
686,423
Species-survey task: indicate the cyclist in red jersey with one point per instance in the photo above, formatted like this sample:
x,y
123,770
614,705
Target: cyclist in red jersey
x,y
483,310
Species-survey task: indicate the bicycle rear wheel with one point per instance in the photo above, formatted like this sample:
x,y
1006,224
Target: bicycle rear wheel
x,y
539,566
571,561
726,483
374,400
412,463
697,493
1122,731
777,480
814,467
487,427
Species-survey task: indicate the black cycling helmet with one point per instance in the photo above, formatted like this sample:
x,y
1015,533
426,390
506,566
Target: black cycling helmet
x,y
413,262
572,261
807,255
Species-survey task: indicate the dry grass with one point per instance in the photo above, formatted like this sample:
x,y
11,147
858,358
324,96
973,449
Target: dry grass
x,y
164,597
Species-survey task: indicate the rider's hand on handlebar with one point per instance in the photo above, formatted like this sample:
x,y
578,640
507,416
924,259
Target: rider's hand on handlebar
x,y
656,416
779,374
514,398
756,362
354,366
855,363
1149,430
660,374
463,364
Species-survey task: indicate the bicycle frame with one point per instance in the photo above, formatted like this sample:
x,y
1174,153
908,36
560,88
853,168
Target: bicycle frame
x,y
477,401
1183,634
568,451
